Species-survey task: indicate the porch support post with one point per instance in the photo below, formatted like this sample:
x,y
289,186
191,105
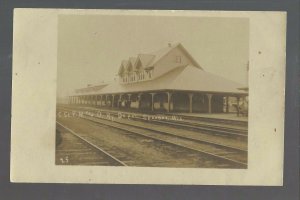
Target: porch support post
x,y
227,104
238,105
169,101
139,100
152,101
112,100
101,100
191,102
120,100
209,96
129,101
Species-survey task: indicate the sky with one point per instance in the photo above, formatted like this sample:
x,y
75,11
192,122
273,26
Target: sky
x,y
91,47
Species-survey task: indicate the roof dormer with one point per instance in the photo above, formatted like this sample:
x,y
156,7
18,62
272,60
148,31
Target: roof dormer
x,y
123,67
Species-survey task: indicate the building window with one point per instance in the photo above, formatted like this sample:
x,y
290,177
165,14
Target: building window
x,y
178,59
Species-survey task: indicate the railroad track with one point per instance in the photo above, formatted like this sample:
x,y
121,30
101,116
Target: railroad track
x,y
218,151
156,129
186,124
186,117
198,126
214,120
80,150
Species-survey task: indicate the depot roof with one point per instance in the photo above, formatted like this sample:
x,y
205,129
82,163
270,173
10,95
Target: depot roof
x,y
184,78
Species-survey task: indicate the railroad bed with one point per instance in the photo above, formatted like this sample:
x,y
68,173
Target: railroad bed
x,y
229,150
74,149
243,124
210,125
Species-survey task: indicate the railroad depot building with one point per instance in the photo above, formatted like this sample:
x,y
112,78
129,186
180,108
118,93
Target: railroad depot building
x,y
168,80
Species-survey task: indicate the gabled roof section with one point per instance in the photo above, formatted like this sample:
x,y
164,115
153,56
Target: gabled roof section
x,y
121,69
123,66
138,66
150,59
160,54
129,66
146,59
133,61
195,63
163,52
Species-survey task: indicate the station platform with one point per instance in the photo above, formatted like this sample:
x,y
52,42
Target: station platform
x,y
225,116
221,116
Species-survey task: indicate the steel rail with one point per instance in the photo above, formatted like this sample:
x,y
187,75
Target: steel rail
x,y
91,144
165,141
214,129
178,136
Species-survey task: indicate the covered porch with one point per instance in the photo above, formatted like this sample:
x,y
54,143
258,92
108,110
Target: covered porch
x,y
177,101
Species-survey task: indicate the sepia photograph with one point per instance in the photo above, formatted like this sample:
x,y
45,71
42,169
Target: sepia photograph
x,y
152,91
148,97
149,100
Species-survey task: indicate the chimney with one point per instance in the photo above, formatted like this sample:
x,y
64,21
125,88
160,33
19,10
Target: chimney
x,y
169,45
